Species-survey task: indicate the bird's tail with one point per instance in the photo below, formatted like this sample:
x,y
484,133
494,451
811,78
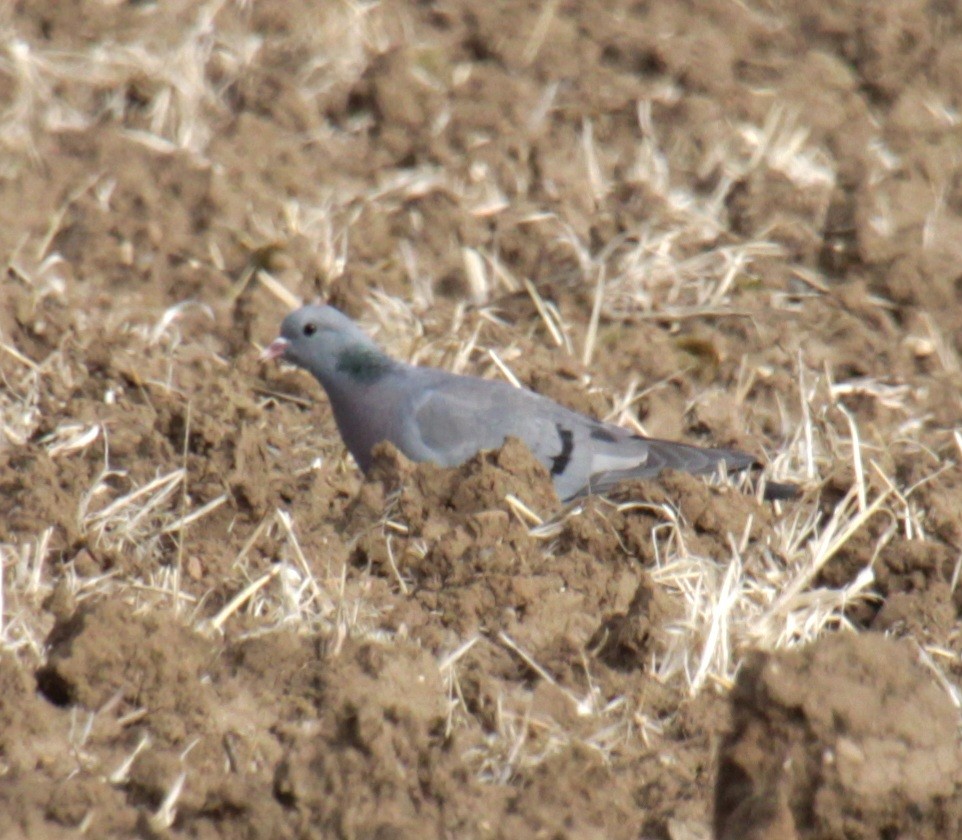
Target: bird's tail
x,y
658,455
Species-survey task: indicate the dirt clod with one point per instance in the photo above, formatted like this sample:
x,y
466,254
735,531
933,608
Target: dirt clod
x,y
849,736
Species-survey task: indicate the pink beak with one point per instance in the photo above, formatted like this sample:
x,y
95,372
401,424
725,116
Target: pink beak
x,y
275,350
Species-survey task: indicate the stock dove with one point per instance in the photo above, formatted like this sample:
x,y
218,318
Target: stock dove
x,y
433,415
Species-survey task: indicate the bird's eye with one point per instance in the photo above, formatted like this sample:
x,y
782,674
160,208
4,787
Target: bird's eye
x,y
310,328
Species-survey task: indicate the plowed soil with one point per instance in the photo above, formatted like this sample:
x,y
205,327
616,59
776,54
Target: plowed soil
x,y
735,224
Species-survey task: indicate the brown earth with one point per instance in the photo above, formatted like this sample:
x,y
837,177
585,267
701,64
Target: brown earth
x,y
849,738
212,626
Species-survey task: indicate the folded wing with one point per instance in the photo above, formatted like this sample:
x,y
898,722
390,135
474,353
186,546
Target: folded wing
x,y
455,417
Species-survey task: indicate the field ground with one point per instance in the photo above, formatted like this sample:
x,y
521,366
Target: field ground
x,y
736,223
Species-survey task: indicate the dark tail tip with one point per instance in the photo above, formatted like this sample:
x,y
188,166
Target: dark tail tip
x,y
779,491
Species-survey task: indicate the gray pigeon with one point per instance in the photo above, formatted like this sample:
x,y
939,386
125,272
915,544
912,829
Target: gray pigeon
x,y
433,415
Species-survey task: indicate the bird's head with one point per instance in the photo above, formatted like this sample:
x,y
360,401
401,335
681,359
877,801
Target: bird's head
x,y
328,344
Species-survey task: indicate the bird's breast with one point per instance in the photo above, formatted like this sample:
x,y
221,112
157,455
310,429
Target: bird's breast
x,y
365,417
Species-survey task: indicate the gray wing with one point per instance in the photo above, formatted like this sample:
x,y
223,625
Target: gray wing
x,y
453,417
